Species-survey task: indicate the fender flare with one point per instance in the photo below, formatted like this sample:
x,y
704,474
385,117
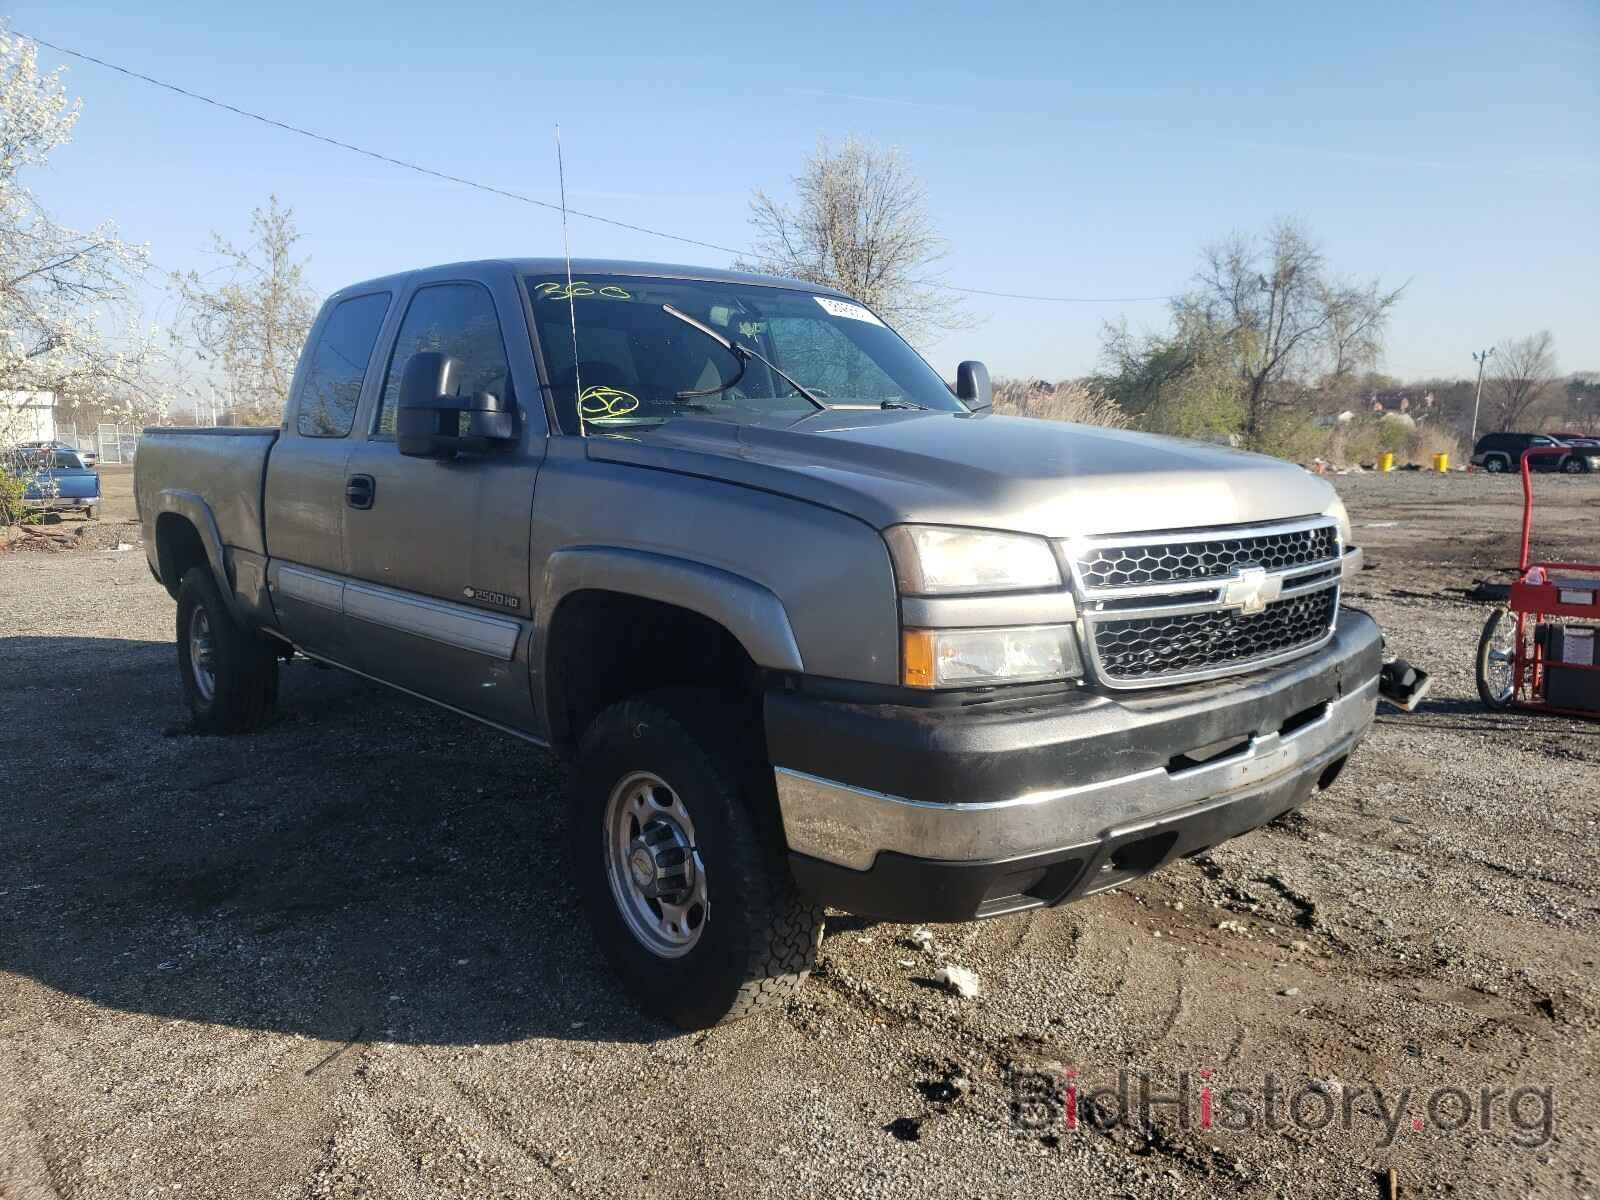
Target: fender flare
x,y
750,612
192,507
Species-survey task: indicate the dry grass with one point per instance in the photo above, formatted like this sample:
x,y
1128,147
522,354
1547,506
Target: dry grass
x,y
1067,400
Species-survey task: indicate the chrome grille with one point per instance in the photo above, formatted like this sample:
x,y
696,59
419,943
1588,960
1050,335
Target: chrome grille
x,y
1154,648
1181,560
1190,604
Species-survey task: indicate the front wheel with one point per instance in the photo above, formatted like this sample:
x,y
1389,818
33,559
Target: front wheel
x,y
1497,661
678,852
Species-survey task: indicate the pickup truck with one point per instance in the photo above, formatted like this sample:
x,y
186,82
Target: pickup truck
x,y
55,479
812,627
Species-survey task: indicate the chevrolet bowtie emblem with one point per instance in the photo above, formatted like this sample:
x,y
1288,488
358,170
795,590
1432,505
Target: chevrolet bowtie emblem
x,y
1251,591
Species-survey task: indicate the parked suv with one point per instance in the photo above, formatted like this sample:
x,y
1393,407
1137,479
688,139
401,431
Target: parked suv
x,y
1497,452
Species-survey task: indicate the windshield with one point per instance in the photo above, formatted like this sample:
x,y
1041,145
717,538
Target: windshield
x,y
637,363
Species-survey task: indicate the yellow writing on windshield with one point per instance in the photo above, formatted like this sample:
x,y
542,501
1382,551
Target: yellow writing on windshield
x,y
555,289
599,401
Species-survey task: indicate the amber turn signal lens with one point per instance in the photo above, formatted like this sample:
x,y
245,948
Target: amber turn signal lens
x,y
916,656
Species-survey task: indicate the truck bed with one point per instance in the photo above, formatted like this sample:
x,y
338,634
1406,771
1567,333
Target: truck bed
x,y
226,466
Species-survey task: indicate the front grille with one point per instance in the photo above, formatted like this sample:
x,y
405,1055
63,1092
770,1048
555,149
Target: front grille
x,y
1183,560
1149,649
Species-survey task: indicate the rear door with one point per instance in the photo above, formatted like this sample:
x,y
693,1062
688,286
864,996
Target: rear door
x,y
439,598
305,502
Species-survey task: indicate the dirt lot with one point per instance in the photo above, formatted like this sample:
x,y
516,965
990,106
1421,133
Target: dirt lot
x,y
341,957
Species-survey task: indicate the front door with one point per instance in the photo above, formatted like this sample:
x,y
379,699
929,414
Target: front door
x,y
437,550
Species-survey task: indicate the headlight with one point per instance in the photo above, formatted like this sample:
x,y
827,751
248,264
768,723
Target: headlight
x,y
1337,512
943,560
947,658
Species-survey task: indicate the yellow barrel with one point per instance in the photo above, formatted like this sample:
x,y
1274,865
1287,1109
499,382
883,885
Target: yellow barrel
x,y
1386,462
1441,463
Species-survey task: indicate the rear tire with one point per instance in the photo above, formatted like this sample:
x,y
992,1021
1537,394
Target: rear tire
x,y
230,675
679,854
1495,464
1496,673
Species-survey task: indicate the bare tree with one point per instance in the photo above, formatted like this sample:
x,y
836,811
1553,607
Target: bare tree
x,y
62,291
860,223
252,325
1525,376
1286,317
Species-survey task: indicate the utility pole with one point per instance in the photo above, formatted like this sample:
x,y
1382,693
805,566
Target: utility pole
x,y
1480,357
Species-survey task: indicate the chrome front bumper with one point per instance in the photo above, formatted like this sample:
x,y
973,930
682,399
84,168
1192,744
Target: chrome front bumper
x,y
850,826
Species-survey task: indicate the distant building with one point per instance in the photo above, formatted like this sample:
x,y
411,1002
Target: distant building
x,y
27,417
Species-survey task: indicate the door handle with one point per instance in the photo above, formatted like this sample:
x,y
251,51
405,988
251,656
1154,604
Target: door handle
x,y
359,491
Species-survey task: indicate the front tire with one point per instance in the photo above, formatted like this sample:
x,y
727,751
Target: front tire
x,y
1497,661
230,675
1574,466
679,855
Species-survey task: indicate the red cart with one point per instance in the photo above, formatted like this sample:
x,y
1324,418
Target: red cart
x,y
1542,651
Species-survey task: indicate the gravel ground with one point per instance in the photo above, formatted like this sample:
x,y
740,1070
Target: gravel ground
x,y
341,957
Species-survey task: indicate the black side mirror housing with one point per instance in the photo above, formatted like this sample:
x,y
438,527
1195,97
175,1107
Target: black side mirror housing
x,y
428,420
973,387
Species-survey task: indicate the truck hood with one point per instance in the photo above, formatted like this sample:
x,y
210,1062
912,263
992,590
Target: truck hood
x,y
1043,477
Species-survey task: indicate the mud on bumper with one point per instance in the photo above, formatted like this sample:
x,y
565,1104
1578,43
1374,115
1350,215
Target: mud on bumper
x,y
951,814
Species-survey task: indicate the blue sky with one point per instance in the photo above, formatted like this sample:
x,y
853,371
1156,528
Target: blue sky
x,y
1067,150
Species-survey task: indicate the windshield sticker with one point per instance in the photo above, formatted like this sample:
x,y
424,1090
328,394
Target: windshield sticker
x,y
600,401
554,289
846,308
751,329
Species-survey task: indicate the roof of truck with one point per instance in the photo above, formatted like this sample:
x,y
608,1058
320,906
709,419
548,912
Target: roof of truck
x,y
557,268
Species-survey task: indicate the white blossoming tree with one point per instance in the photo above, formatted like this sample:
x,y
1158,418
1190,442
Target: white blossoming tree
x,y
62,291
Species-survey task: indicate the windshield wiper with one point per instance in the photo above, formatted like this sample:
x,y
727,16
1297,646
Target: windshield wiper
x,y
898,403
741,352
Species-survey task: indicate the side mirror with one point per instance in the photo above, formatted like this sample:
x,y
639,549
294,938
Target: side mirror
x,y
972,386
428,420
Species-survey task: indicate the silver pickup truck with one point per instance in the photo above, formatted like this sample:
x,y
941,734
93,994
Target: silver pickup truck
x,y
812,629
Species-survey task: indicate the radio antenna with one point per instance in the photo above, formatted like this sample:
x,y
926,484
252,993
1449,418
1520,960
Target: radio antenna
x,y
572,305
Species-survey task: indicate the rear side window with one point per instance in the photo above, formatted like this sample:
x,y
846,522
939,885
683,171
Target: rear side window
x,y
338,365
457,319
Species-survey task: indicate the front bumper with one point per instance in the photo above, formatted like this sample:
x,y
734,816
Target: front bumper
x,y
949,814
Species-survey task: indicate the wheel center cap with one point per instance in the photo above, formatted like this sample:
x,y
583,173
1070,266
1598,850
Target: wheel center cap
x,y
643,865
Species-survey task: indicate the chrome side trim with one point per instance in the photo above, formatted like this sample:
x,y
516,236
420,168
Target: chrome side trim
x,y
313,587
421,616
437,620
850,826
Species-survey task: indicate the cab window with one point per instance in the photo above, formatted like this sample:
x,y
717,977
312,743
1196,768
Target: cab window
x,y
337,366
457,319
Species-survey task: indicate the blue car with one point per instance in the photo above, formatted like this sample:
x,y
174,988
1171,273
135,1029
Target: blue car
x,y
58,480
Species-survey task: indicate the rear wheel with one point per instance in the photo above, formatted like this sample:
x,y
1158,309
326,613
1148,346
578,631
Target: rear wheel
x,y
678,852
1497,660
1495,464
230,676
